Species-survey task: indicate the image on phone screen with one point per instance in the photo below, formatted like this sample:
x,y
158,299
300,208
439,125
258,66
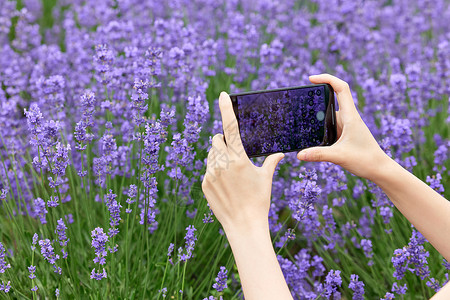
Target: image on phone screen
x,y
282,120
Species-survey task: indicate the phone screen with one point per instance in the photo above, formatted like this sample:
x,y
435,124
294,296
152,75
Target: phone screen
x,y
282,120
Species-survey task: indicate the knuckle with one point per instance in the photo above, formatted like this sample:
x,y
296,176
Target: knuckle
x,y
205,183
216,138
317,156
345,86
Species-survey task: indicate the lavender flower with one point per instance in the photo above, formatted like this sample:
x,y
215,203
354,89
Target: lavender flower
x,y
388,296
53,202
366,245
357,287
435,183
132,192
99,239
400,290
190,239
114,211
434,284
163,291
332,281
412,257
40,210
3,265
61,231
49,255
32,269
221,280
34,242
5,287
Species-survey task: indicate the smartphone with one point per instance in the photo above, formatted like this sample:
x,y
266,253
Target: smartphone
x,y
285,120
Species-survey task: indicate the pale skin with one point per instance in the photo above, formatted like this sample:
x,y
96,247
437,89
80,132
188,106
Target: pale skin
x,y
239,192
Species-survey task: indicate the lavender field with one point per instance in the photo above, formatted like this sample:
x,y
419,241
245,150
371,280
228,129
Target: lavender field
x,y
107,113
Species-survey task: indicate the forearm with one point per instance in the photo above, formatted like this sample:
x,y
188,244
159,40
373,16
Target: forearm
x,y
258,267
428,211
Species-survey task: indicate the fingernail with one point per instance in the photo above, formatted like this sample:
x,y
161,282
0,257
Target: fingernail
x,y
302,155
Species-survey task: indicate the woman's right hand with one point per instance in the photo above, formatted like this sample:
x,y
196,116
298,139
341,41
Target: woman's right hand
x,y
356,150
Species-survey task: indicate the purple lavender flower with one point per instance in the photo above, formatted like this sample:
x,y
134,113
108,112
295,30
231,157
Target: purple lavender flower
x,y
132,192
388,296
332,281
221,280
190,239
61,231
104,59
3,194
5,286
366,245
435,183
434,284
53,202
34,242
302,195
413,257
98,275
35,288
99,239
3,265
170,249
40,210
208,217
32,269
398,289
114,211
61,159
357,287
34,118
163,291
49,255
386,213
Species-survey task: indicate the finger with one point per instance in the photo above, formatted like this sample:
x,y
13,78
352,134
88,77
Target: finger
x,y
211,158
321,153
229,123
271,162
218,143
344,96
338,124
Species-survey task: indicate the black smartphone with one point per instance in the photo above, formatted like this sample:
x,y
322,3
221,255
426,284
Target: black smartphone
x,y
285,120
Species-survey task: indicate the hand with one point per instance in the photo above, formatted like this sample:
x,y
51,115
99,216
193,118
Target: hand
x,y
356,150
237,191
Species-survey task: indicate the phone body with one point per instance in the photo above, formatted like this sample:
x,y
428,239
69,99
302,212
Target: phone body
x,y
286,119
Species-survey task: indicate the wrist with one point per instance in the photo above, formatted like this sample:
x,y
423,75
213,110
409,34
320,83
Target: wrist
x,y
248,230
384,166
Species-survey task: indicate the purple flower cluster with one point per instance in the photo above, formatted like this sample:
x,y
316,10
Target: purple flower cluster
x,y
99,240
357,287
3,265
114,211
412,257
62,237
221,280
48,253
189,238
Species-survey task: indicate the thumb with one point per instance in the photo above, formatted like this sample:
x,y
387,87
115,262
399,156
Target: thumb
x,y
271,162
316,154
